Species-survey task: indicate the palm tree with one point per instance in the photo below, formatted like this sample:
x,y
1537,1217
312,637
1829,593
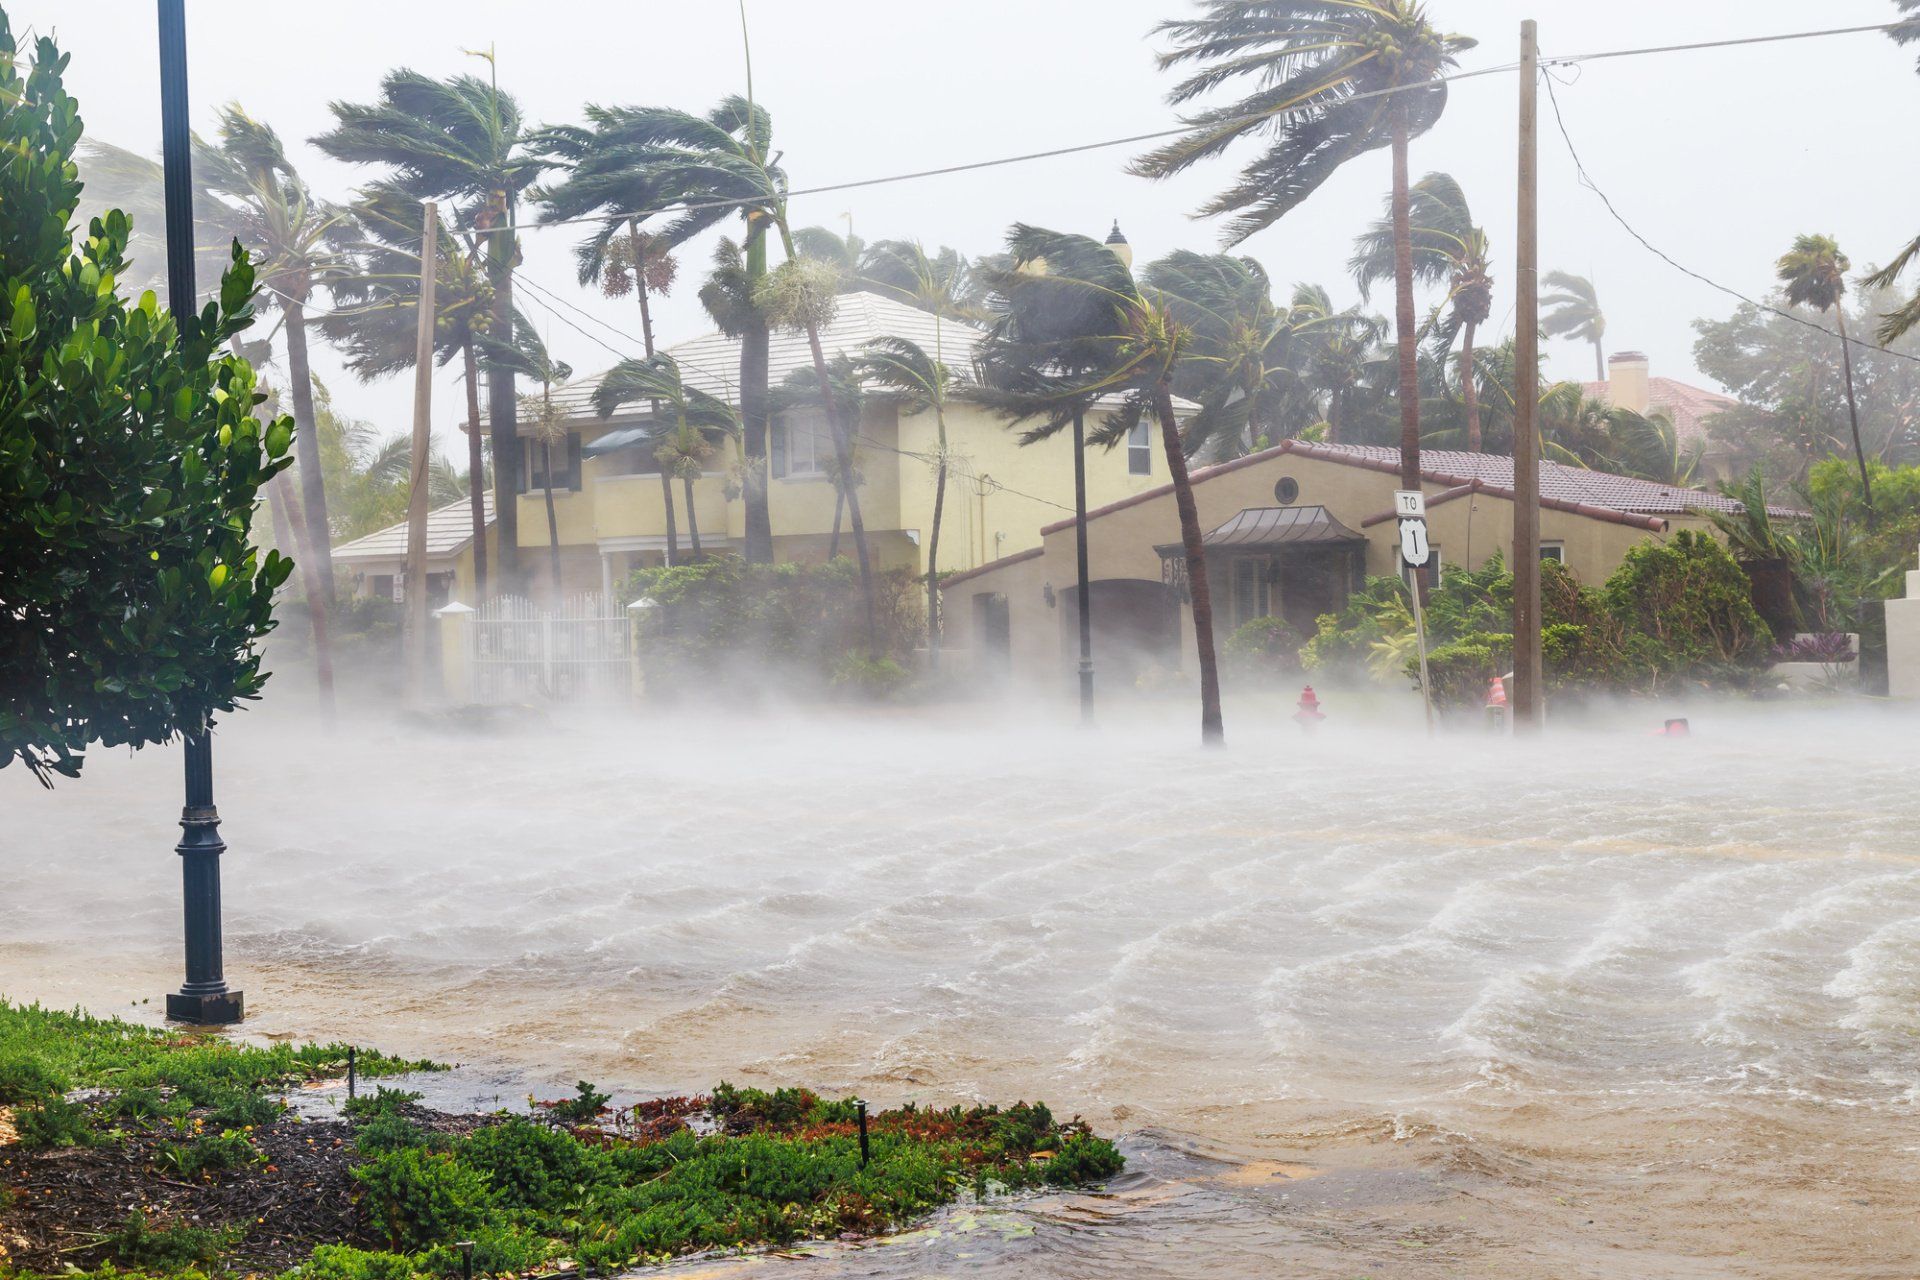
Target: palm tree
x,y
248,190
1815,273
463,141
1074,327
1247,354
1572,310
918,382
1334,78
1343,361
940,282
528,356
375,324
801,390
701,423
1448,249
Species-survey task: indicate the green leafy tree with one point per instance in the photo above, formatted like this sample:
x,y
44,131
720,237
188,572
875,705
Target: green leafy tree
x,y
1334,79
130,463
1572,310
462,141
1814,272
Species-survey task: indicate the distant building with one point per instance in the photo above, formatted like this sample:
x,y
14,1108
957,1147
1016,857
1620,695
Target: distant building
x,y
1630,385
1290,532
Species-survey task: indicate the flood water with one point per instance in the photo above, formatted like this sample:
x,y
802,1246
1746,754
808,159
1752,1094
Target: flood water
x,y
1361,1003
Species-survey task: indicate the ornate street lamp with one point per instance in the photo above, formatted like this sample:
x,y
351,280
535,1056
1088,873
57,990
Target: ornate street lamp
x,y
203,998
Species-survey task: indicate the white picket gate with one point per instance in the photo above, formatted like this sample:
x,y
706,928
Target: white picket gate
x,y
581,651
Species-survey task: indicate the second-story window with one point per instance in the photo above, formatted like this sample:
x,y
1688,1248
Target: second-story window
x,y
1140,449
801,445
566,463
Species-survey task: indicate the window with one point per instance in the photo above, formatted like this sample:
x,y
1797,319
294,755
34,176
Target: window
x,y
1140,449
566,464
801,445
383,586
1435,568
1252,576
1554,551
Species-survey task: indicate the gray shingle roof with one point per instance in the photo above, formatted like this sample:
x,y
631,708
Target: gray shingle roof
x,y
449,530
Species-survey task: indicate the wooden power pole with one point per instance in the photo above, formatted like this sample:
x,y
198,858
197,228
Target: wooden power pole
x,y
416,622
1527,671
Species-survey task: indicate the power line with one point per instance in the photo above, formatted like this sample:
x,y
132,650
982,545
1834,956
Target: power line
x,y
1722,44
1586,180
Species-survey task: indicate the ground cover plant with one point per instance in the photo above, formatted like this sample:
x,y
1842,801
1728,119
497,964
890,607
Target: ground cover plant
x,y
126,1151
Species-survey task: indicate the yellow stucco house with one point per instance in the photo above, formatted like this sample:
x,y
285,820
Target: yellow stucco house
x,y
610,512
1290,532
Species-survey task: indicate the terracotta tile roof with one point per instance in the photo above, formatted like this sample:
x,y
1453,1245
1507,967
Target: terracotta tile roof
x,y
1030,553
1689,406
1599,494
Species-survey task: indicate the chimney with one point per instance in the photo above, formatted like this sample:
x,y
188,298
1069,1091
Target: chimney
x,y
1627,384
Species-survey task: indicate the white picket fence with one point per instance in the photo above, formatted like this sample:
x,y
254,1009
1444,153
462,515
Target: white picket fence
x,y
581,651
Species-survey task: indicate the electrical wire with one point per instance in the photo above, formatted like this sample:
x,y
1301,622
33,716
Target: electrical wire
x,y
1586,180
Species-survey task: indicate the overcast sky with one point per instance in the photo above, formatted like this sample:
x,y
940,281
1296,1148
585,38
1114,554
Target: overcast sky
x,y
1720,157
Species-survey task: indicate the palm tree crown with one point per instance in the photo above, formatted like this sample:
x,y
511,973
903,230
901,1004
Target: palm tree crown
x,y
1572,310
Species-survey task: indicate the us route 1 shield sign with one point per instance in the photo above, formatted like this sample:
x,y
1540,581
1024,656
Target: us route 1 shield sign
x,y
1413,542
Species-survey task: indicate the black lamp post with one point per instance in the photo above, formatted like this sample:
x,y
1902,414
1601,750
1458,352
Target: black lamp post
x,y
203,998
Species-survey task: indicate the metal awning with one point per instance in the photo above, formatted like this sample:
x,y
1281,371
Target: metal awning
x,y
1269,528
619,439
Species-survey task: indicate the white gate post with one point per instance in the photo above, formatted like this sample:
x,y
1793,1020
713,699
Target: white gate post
x,y
456,652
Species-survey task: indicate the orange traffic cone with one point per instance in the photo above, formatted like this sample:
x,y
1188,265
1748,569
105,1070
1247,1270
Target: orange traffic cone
x,y
1497,692
1309,713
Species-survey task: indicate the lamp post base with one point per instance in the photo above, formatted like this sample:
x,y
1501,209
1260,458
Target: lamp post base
x,y
217,1009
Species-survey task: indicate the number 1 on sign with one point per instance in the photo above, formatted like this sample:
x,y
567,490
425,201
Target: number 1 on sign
x,y
1413,543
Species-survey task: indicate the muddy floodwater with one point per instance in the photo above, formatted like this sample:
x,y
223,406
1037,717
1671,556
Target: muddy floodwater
x,y
1362,1003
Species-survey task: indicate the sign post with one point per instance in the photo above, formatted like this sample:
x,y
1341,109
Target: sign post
x,y
1410,505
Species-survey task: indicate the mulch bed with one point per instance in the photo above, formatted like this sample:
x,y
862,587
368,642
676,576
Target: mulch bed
x,y
67,1199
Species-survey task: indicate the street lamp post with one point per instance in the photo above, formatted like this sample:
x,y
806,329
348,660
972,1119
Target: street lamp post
x,y
203,998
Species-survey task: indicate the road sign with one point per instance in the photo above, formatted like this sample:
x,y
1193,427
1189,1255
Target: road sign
x,y
1410,504
1413,543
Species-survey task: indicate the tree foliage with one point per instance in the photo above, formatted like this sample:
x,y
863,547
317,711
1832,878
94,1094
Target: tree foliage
x,y
132,599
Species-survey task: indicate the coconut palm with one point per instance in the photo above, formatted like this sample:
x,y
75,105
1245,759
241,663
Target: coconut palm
x,y
1815,274
376,323
1247,353
248,190
918,382
939,282
462,141
527,356
1334,78
1074,327
1449,250
801,391
700,424
1572,310
1343,365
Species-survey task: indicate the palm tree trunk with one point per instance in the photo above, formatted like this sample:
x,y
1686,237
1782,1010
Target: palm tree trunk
x,y
313,482
640,286
503,410
1853,410
1469,391
553,525
933,555
754,358
1334,405
839,509
1212,732
1599,362
476,474
666,497
1403,322
693,520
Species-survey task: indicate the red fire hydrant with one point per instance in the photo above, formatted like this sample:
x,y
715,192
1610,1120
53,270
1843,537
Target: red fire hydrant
x,y
1309,713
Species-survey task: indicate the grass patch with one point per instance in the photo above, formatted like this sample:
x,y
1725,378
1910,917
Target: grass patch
x,y
386,1192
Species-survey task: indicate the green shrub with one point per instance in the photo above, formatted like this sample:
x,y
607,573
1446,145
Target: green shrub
x,y
1083,1158
1694,602
497,1251
167,1248
342,1262
1264,647
53,1122
866,677
1343,642
583,1107
531,1166
390,1133
416,1198
381,1102
28,1079
209,1153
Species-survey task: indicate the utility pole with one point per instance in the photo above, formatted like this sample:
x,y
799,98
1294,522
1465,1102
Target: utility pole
x,y
1085,594
1527,700
416,625
203,998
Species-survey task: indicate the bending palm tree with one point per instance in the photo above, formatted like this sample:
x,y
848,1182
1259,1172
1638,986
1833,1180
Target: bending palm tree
x,y
1335,78
462,141
1815,273
1447,249
701,423
917,382
529,356
376,325
1572,310
1073,332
